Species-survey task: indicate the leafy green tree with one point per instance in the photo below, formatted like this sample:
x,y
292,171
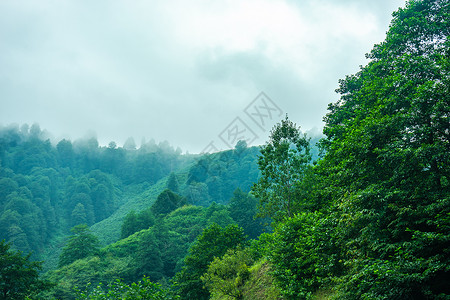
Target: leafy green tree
x,y
135,222
147,168
240,147
78,215
66,154
86,201
35,131
17,237
219,214
227,275
305,255
19,277
172,245
7,186
172,183
243,209
221,217
283,162
197,193
129,144
130,225
102,201
166,202
148,258
146,219
20,204
387,157
188,221
213,242
80,245
215,176
118,290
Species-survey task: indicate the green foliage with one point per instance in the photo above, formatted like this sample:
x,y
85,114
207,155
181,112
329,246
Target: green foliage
x,y
130,225
215,176
135,222
78,215
166,202
71,183
213,242
304,255
156,252
66,154
369,221
188,221
77,274
283,161
172,183
46,190
243,209
239,274
227,275
118,290
218,214
260,284
80,245
148,259
386,167
19,277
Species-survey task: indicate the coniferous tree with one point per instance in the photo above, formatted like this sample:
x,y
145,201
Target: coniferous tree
x,y
130,225
80,245
172,183
243,209
166,202
148,258
283,163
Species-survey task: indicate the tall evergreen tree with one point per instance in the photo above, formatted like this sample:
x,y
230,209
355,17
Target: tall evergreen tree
x,y
243,209
80,245
283,162
172,183
166,202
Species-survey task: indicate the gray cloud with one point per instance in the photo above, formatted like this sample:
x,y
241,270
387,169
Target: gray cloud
x,y
177,71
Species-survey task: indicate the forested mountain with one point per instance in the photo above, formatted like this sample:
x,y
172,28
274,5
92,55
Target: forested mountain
x,y
47,189
369,219
115,192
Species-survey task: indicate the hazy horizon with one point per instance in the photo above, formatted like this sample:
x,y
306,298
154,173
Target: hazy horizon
x,y
191,73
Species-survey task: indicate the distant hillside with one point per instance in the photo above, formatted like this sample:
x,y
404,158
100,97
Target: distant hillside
x,y
46,189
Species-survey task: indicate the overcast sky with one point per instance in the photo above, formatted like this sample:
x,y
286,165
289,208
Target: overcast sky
x,y
189,72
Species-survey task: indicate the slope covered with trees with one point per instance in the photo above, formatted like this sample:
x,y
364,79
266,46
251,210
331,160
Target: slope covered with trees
x,y
374,222
46,189
157,251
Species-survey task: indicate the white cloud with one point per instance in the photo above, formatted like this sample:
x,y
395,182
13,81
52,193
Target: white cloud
x,y
177,70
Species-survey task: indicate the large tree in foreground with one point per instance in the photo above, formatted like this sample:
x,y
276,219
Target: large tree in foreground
x,y
213,242
19,277
283,163
387,166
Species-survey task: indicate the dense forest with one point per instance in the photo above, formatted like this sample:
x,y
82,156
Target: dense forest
x,y
366,217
